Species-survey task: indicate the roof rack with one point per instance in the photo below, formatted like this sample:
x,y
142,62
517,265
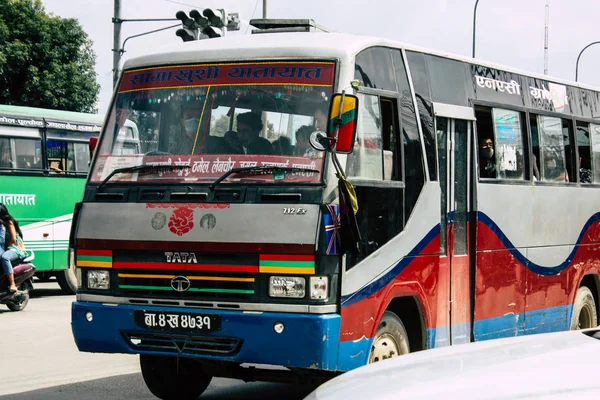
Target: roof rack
x,y
285,25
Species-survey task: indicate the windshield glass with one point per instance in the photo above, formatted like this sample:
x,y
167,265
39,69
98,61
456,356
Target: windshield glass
x,y
215,117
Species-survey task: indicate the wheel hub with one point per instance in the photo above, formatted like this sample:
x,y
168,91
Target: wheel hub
x,y
383,347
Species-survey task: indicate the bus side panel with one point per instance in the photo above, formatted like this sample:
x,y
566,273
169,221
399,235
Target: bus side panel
x,y
531,258
424,278
43,206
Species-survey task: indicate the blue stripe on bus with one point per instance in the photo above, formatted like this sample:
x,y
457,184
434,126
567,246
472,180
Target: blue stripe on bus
x,y
378,284
544,320
533,267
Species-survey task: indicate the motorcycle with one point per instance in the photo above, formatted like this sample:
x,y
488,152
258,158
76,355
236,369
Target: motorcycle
x,y
23,272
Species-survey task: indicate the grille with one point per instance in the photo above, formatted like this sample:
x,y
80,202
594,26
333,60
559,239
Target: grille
x,y
202,285
183,344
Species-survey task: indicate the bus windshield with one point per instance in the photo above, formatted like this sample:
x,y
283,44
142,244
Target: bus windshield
x,y
211,118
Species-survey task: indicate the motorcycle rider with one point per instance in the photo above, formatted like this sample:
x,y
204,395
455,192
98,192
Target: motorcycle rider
x,y
11,245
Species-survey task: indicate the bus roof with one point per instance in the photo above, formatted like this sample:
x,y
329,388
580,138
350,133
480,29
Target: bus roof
x,y
314,45
55,115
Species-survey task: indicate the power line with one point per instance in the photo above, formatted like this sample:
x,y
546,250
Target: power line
x,y
253,12
178,2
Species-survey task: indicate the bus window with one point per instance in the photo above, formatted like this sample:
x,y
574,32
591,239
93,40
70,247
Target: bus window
x,y
28,153
567,127
67,156
366,160
551,149
595,139
583,147
508,147
6,157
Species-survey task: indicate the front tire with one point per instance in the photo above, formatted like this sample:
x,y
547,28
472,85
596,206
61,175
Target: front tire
x,y
67,279
171,378
391,339
584,310
20,306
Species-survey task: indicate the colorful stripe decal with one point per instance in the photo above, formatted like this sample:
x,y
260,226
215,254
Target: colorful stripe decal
x,y
94,258
392,273
202,290
191,278
198,247
286,264
186,267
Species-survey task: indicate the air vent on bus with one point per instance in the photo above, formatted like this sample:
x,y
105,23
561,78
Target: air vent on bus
x,y
110,196
281,197
227,195
154,195
189,196
285,25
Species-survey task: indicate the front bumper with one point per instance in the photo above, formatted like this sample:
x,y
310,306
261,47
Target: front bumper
x,y
308,340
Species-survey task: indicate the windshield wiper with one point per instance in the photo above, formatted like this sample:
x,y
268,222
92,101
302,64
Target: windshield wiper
x,y
264,168
143,167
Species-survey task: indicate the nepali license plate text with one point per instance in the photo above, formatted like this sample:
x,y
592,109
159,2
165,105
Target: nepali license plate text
x,y
174,321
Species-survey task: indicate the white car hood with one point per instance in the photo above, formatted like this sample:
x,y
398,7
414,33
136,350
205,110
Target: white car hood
x,y
547,366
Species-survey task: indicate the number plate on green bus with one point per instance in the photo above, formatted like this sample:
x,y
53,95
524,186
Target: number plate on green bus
x,y
175,321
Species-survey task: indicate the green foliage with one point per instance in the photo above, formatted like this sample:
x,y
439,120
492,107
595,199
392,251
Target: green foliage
x,y
45,61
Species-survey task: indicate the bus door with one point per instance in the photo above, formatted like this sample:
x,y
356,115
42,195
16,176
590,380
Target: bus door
x,y
453,136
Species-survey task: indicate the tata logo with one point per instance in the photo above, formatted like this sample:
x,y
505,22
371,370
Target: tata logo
x,y
180,283
181,257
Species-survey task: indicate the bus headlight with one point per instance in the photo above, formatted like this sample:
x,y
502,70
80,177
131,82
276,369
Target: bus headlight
x,y
287,286
98,279
319,286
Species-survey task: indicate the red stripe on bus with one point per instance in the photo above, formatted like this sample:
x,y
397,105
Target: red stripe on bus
x,y
186,267
285,257
197,247
82,252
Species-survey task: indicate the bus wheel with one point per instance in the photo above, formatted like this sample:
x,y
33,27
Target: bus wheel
x,y
391,339
170,378
67,279
584,310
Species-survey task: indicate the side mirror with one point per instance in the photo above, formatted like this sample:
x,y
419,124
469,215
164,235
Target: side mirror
x,y
93,144
343,115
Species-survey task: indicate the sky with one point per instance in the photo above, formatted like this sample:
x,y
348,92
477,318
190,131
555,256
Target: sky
x,y
508,32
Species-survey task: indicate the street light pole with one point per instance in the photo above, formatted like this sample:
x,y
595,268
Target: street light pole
x,y
474,22
578,57
116,41
264,9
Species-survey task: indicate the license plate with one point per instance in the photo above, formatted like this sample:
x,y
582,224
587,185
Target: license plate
x,y
174,321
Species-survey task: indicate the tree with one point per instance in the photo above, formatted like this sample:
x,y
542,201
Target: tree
x,y
45,61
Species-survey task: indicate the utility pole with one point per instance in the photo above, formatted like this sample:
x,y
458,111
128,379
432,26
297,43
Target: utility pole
x,y
546,39
264,9
474,25
116,41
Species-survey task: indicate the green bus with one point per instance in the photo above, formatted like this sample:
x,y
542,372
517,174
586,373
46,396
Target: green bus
x,y
44,162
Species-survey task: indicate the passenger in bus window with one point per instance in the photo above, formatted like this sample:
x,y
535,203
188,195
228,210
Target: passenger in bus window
x,y
283,146
302,140
184,142
249,126
321,117
585,170
487,164
232,138
554,169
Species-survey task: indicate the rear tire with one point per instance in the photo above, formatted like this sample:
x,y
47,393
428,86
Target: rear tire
x,y
391,339
169,380
20,305
584,310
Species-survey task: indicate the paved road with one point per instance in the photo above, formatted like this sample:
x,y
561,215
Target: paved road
x,y
45,364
